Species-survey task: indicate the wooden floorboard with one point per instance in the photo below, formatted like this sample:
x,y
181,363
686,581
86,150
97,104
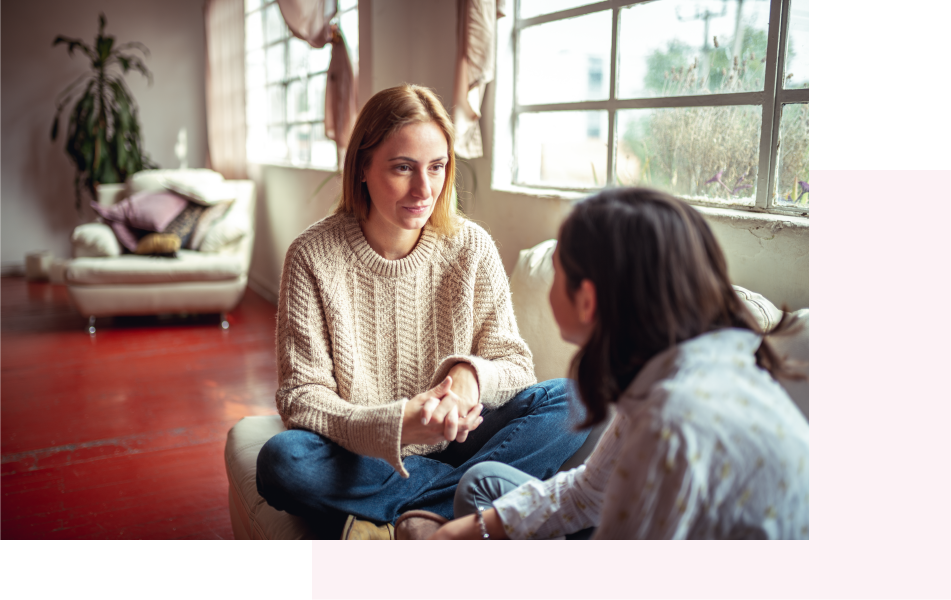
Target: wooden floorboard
x,y
121,435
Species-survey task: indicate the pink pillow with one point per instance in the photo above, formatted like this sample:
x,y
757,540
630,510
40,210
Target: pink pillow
x,y
150,211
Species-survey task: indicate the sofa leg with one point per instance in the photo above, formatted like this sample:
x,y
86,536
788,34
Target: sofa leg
x,y
224,321
91,327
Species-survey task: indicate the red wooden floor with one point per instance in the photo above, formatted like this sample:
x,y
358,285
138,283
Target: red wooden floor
x,y
121,435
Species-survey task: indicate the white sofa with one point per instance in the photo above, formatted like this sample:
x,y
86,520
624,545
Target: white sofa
x,y
211,279
253,518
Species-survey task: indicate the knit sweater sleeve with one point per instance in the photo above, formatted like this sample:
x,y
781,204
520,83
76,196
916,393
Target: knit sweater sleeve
x,y
501,358
307,395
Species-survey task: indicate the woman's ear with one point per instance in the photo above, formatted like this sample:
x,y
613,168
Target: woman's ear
x,y
586,303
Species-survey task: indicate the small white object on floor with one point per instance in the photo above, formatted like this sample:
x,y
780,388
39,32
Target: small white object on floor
x,y
38,265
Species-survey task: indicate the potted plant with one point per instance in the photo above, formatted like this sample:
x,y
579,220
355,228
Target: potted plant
x,y
103,138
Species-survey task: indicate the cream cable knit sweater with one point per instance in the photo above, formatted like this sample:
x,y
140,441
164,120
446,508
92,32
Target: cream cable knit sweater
x,y
358,335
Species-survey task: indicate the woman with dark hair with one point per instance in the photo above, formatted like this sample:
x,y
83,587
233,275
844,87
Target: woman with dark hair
x,y
704,443
400,364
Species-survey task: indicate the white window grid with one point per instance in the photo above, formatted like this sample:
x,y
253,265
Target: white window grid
x,y
772,98
286,79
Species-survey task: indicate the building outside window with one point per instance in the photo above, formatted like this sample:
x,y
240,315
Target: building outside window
x,y
707,99
286,81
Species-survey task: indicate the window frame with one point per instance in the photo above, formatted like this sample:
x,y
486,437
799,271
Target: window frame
x,y
772,98
285,82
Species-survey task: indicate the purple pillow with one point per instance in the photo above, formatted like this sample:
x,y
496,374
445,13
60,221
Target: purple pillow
x,y
149,211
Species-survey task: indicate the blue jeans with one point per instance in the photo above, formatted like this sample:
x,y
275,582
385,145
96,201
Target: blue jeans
x,y
307,475
489,481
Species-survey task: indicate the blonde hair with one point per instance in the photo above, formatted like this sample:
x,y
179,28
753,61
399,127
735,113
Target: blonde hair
x,y
383,115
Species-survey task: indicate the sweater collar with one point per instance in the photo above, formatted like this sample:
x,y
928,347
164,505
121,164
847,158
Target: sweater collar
x,y
420,255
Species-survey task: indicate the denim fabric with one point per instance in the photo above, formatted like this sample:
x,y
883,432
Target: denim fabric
x,y
486,482
307,475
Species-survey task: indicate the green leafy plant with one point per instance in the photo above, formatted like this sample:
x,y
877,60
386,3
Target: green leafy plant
x,y
103,137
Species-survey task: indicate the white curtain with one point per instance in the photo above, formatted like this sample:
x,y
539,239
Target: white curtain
x,y
224,87
475,68
309,20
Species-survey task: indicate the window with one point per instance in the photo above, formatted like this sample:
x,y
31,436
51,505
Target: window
x,y
285,80
707,99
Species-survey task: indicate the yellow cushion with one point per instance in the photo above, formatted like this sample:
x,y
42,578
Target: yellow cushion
x,y
159,243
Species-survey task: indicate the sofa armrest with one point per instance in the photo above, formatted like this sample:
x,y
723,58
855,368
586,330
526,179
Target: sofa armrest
x,y
94,240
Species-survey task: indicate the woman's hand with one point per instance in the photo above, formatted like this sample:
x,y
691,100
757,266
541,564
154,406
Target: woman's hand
x,y
434,416
465,385
467,528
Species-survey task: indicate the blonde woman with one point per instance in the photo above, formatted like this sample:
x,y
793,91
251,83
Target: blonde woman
x,y
400,364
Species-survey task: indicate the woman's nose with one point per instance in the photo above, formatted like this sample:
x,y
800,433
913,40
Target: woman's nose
x,y
421,186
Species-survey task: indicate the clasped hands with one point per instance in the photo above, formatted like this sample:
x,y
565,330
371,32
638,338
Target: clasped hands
x,y
447,412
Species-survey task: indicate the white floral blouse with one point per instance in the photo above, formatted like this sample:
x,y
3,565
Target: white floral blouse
x,y
704,445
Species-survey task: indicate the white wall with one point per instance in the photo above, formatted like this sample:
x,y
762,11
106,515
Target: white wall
x,y
414,41
37,177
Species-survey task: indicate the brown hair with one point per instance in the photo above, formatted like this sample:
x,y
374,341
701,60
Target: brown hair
x,y
383,115
660,279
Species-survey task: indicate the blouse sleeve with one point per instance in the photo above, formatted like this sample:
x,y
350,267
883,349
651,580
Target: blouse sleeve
x,y
568,502
653,492
500,357
307,395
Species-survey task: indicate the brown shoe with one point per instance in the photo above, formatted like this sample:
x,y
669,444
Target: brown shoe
x,y
418,525
356,529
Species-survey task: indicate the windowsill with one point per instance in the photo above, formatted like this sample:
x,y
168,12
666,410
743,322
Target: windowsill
x,y
738,215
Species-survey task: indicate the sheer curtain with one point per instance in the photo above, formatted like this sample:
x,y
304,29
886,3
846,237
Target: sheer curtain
x,y
310,20
475,68
224,87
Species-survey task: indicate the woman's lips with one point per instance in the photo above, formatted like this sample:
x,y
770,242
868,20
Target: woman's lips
x,y
416,210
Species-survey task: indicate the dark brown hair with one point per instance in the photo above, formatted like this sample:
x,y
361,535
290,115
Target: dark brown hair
x,y
383,115
660,279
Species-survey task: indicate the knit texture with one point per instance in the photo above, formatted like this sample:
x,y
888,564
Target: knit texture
x,y
358,335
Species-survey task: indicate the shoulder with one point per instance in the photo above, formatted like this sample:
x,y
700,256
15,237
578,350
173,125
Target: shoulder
x,y
322,242
470,247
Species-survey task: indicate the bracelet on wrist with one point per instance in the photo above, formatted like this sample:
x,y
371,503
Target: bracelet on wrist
x,y
482,527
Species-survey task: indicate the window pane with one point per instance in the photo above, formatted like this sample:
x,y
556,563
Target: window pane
x,y
319,59
346,5
253,31
257,143
563,149
256,109
275,28
565,61
323,152
792,168
797,46
299,105
350,26
275,63
672,49
250,5
709,153
276,143
254,70
275,102
298,58
298,144
532,8
316,96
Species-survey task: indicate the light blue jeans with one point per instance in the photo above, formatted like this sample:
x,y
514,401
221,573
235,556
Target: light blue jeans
x,y
310,476
489,481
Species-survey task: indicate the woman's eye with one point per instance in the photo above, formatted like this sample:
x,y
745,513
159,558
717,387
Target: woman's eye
x,y
438,167
403,168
